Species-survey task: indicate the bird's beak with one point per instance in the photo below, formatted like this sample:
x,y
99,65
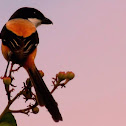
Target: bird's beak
x,y
47,21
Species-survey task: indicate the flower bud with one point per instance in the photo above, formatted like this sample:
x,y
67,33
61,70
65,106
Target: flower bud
x,y
35,110
27,95
41,73
61,76
7,80
70,75
27,81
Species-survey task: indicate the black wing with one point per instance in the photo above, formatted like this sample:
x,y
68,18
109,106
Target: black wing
x,y
20,47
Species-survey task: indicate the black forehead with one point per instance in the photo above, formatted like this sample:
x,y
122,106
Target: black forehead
x,y
27,12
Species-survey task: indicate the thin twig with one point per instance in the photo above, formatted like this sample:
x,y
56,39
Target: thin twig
x,y
25,111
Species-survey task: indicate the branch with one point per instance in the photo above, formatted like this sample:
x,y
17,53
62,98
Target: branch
x,y
26,110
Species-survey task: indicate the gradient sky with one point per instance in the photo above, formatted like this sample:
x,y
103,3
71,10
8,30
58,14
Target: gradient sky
x,y
89,38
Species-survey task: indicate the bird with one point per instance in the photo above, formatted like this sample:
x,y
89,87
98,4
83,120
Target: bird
x,y
19,45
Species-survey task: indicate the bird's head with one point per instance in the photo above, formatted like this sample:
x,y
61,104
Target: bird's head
x,y
31,14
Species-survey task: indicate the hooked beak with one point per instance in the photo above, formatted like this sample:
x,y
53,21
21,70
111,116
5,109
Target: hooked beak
x,y
47,21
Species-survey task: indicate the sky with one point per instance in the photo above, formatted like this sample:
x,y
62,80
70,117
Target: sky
x,y
88,38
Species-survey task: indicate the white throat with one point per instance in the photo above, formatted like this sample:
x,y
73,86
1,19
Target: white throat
x,y
35,21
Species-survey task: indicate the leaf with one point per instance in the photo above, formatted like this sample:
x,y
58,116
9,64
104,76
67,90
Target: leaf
x,y
5,124
8,120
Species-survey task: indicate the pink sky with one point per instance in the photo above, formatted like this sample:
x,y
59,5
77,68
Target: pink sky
x,y
88,38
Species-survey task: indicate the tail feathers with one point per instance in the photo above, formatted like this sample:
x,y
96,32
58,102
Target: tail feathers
x,y
44,97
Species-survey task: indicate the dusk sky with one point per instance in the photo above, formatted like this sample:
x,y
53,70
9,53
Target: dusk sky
x,y
88,37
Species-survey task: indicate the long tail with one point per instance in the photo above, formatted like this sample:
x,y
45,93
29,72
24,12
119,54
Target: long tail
x,y
43,95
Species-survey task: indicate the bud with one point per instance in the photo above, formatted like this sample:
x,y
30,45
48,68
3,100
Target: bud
x,y
7,80
70,75
35,110
41,73
28,81
61,76
27,95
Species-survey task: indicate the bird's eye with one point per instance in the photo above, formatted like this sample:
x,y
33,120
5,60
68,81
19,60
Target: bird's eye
x,y
34,12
